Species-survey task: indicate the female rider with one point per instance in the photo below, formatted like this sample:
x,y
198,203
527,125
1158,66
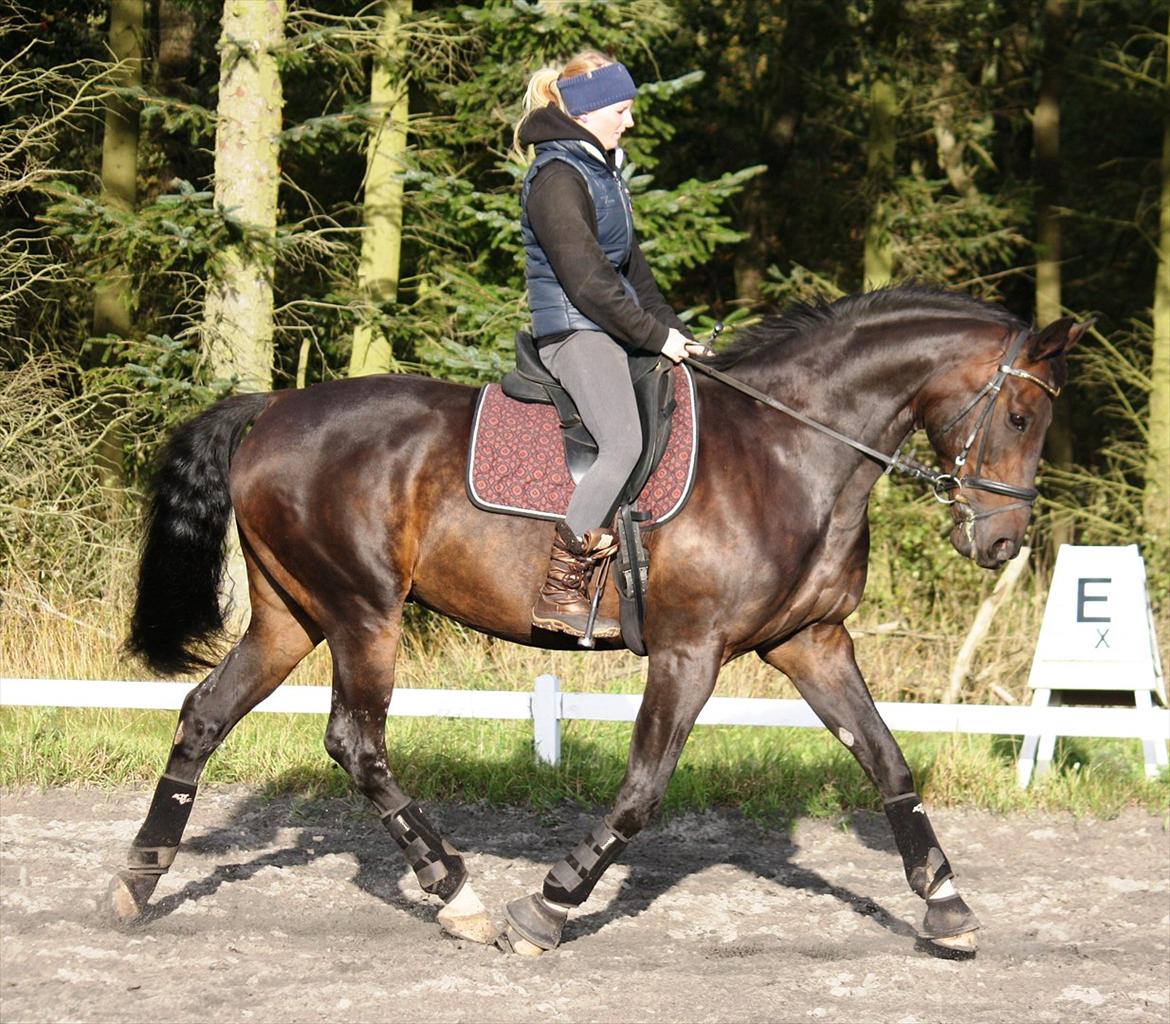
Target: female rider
x,y
593,300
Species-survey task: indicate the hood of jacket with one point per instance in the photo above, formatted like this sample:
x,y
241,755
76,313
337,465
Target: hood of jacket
x,y
551,124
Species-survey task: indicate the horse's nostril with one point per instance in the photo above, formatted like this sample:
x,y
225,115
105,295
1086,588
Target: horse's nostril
x,y
1004,548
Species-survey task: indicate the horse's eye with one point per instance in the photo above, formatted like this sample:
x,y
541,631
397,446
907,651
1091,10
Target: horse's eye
x,y
1018,421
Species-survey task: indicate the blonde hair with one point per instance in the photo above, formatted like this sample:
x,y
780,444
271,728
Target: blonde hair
x,y
542,90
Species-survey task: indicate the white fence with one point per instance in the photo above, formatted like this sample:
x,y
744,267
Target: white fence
x,y
546,706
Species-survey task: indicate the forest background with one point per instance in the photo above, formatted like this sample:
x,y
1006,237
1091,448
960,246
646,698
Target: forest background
x,y
203,195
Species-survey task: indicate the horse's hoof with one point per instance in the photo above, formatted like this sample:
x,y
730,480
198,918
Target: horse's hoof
x,y
950,947
968,942
465,917
475,928
537,922
511,941
948,918
129,895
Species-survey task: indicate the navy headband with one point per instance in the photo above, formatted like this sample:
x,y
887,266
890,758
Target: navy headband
x,y
595,89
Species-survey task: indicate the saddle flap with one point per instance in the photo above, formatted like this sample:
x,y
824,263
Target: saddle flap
x,y
654,392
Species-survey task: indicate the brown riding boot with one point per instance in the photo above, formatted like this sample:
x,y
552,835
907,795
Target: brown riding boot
x,y
563,604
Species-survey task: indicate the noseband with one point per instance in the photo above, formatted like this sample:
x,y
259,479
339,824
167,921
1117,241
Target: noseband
x,y
942,484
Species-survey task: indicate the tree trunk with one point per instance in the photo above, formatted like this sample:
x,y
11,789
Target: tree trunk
x,y
1156,499
880,152
238,312
176,31
382,209
1046,154
112,298
176,39
780,108
111,314
1046,143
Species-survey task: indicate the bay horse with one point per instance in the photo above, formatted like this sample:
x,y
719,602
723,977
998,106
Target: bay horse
x,y
349,500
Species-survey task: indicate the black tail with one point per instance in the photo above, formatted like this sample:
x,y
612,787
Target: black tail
x,y
177,619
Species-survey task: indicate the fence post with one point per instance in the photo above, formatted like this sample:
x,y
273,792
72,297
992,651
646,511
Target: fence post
x,y
546,719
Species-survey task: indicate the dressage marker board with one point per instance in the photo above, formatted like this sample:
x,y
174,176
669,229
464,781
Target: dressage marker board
x,y
1097,635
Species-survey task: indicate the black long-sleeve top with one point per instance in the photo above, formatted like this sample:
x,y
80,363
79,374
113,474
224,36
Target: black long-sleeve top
x,y
561,215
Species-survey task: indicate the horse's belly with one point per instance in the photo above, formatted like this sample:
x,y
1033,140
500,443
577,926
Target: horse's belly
x,y
483,570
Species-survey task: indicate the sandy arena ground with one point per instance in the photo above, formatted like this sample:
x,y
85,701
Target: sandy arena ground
x,y
283,910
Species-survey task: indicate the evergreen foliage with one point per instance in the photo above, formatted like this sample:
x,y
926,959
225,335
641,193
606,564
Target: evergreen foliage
x,y
749,169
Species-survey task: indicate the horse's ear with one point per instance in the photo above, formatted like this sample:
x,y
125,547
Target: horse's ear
x,y
1057,338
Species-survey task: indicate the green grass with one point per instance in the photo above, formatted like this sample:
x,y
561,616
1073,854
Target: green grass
x,y
772,775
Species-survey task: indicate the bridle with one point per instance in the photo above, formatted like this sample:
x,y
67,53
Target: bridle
x,y
975,481
941,484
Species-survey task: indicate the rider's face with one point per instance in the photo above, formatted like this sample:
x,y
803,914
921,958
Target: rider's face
x,y
608,123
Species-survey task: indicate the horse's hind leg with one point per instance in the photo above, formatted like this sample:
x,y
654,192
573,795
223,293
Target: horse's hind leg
x,y
821,665
277,638
363,680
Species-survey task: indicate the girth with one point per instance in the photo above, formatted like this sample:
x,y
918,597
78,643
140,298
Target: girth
x,y
653,390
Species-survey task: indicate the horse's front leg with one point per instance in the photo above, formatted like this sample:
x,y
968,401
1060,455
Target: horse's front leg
x,y
820,663
678,684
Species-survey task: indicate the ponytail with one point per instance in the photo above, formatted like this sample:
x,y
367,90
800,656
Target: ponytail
x,y
542,90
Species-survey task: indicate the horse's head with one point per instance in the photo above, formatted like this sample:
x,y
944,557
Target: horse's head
x,y
987,425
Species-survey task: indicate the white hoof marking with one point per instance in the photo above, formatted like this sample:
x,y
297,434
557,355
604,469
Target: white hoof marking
x,y
945,891
968,942
524,947
466,917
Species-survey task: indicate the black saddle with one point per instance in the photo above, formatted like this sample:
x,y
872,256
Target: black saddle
x,y
653,388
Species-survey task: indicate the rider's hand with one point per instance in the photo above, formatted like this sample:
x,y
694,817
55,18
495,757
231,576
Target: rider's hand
x,y
678,346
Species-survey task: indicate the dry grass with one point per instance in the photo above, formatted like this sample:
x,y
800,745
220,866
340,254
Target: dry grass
x,y
80,638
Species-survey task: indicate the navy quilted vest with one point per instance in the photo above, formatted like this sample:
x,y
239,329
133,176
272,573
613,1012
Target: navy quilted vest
x,y
552,312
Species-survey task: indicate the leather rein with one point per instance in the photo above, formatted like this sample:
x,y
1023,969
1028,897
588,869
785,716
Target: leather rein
x,y
941,484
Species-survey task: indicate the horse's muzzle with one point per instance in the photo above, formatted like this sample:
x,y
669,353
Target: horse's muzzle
x,y
986,537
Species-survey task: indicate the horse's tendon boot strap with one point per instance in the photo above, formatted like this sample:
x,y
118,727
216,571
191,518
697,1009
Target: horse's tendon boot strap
x,y
572,880
926,865
153,849
153,860
436,863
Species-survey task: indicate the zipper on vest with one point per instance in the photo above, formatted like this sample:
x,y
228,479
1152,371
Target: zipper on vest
x,y
627,212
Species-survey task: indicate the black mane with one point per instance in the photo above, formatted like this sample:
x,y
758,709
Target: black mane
x,y
908,300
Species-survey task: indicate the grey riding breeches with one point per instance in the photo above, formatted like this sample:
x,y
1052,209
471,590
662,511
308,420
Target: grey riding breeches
x,y
594,370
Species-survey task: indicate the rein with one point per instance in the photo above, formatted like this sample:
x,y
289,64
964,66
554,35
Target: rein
x,y
941,483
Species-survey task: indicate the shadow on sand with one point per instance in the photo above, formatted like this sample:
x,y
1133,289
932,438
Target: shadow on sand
x,y
658,859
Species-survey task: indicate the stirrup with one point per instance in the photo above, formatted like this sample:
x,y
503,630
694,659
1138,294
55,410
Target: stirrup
x,y
587,640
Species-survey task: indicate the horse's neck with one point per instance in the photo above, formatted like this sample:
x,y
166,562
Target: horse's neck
x,y
862,386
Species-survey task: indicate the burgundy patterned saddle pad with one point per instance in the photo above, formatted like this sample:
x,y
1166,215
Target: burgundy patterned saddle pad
x,y
517,459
